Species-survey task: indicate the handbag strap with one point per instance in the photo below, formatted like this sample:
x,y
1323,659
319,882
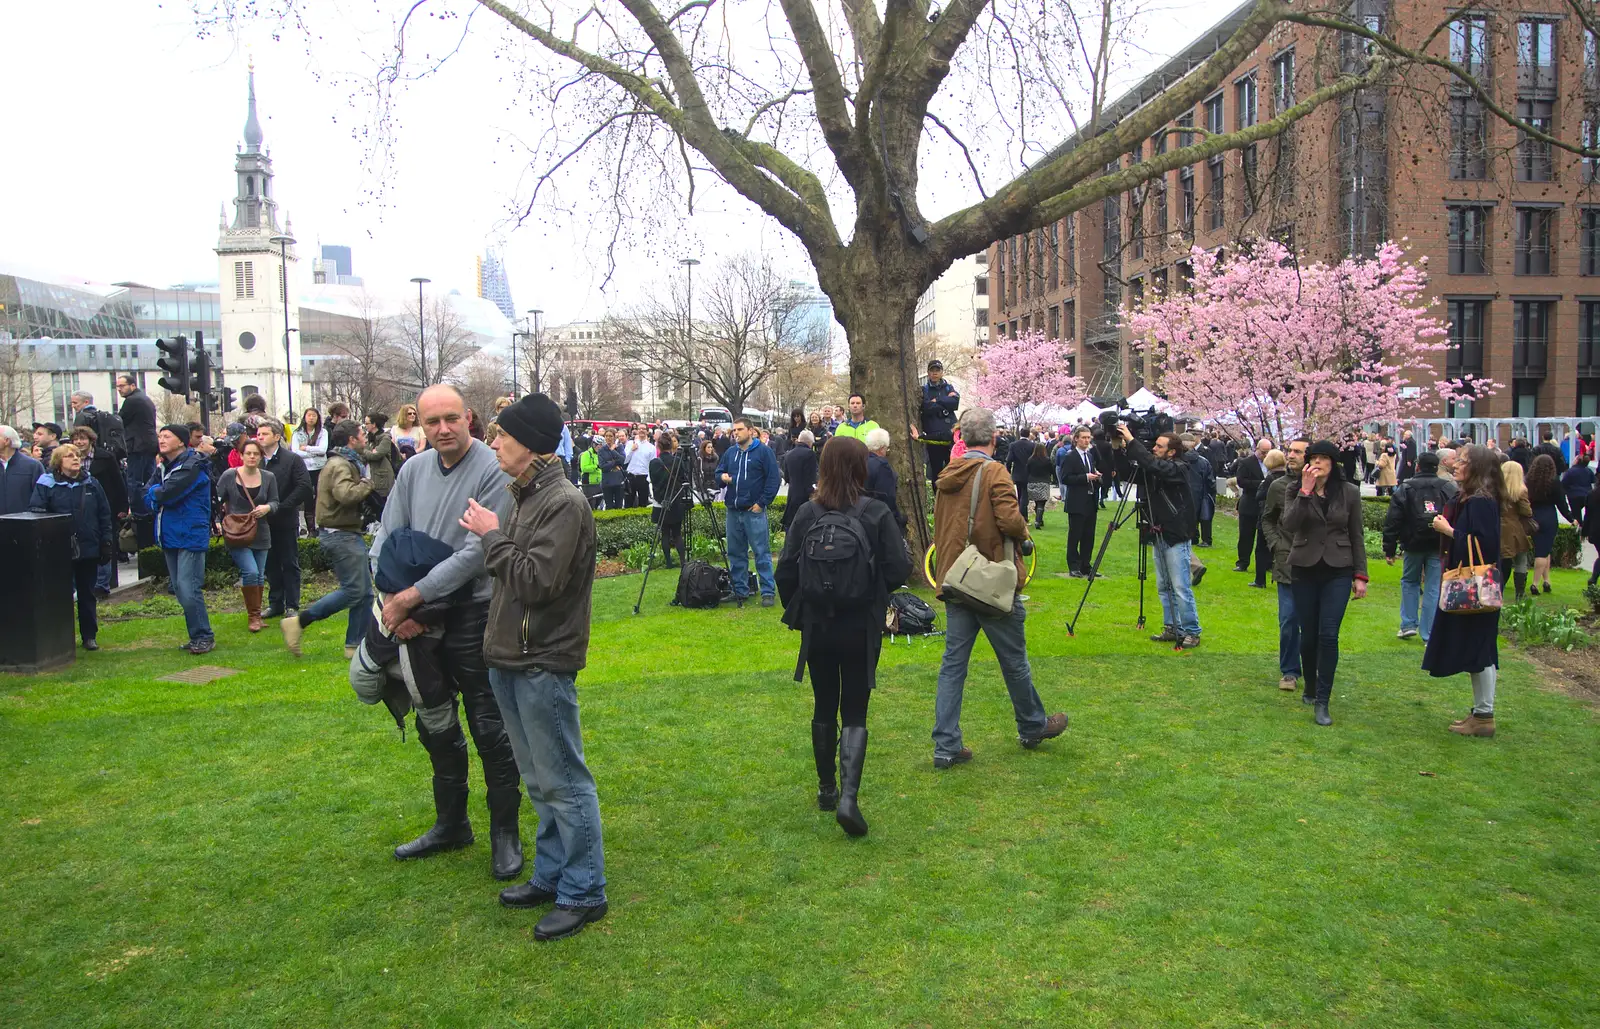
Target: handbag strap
x,y
972,514
1474,552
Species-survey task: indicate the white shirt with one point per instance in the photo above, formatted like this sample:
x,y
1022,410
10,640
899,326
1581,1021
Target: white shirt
x,y
640,454
1088,463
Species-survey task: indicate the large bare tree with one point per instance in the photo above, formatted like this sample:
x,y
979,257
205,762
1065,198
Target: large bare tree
x,y
433,354
362,368
819,112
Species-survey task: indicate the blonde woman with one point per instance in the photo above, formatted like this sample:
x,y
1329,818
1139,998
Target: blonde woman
x,y
407,427
1516,515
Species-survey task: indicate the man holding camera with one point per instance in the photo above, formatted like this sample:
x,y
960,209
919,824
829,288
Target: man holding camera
x,y
1171,507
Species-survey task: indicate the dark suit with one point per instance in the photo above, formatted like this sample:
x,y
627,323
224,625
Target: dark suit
x,y
283,560
138,414
1083,505
1017,464
16,483
1250,475
800,469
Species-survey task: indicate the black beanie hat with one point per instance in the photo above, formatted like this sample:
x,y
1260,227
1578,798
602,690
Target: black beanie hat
x,y
1428,461
535,422
1323,448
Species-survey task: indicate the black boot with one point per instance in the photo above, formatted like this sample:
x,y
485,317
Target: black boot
x,y
1320,713
505,841
824,747
451,829
852,755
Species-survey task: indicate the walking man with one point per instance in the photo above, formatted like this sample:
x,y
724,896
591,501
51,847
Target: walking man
x,y
1080,471
750,473
1408,526
179,492
938,416
429,496
294,489
975,501
342,491
1279,543
541,561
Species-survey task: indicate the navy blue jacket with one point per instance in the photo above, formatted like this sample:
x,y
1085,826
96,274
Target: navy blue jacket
x,y
16,485
883,485
180,495
939,403
755,476
85,501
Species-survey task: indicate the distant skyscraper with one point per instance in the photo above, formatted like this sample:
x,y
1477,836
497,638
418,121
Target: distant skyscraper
x,y
334,267
492,284
340,258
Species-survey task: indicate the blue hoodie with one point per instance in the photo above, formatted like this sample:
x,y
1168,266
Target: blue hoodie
x,y
755,475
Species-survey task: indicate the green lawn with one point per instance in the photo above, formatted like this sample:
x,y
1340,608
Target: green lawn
x,y
1194,852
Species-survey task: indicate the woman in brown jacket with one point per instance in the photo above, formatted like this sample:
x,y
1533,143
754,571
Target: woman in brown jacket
x,y
1516,545
1329,559
1386,475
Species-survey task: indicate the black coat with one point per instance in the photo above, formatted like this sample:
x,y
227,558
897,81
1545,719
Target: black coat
x,y
1250,477
294,484
1171,501
938,411
86,503
16,484
1467,643
674,509
1017,460
882,485
800,469
1082,495
138,413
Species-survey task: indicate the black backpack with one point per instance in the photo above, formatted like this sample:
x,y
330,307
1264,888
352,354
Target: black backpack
x,y
700,584
908,615
836,567
108,427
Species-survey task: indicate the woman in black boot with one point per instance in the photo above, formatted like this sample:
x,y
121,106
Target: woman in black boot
x,y
841,558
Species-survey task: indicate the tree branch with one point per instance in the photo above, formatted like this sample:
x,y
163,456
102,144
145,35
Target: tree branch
x,y
831,99
978,181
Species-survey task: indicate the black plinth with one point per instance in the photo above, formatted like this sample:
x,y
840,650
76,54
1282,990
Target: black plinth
x,y
37,628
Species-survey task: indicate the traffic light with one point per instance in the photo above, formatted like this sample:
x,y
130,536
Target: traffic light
x,y
175,362
226,398
200,372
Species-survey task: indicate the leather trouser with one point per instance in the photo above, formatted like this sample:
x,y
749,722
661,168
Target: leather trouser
x,y
464,665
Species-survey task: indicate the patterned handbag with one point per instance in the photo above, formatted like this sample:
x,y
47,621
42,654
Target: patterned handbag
x,y
1471,588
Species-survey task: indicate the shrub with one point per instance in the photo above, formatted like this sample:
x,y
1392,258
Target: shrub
x,y
1568,545
1534,626
152,564
1591,593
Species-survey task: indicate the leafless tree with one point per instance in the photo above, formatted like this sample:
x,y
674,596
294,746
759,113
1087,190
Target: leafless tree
x,y
362,368
443,346
482,379
23,387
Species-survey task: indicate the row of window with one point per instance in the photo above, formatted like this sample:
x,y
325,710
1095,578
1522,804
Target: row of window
x,y
1532,323
1534,235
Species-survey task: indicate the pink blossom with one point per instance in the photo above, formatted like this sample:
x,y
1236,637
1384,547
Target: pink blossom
x,y
1021,377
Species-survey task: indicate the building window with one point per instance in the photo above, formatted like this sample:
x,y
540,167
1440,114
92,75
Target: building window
x,y
1013,328
1017,270
1186,201
1468,234
1589,340
1052,258
980,317
1591,62
244,280
1055,322
1112,211
1283,82
1469,141
1248,164
247,341
1589,241
1525,398
1244,101
1027,322
1069,320
1217,192
1589,137
1025,280
1158,283
1466,318
1136,294
1469,45
1214,115
1283,168
980,286
1530,342
1186,130
1072,249
999,265
1136,222
1536,57
1185,272
1588,398
1039,258
1534,235
1533,155
1157,199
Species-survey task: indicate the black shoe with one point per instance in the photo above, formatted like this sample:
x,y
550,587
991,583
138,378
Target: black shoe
x,y
1547,587
1196,575
824,748
1306,698
960,757
275,611
90,644
852,755
1096,575
566,921
505,840
1256,585
101,592
202,646
451,828
1076,575
1320,713
1241,568
1054,726
526,895
1167,635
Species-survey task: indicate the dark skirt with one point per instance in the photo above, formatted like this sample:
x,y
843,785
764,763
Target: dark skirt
x,y
1462,643
1544,537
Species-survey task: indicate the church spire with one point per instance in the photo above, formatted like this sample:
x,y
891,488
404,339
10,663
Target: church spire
x,y
252,127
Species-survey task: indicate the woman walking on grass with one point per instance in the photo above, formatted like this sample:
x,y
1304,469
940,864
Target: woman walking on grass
x,y
841,558
1516,515
1329,557
1468,642
248,489
1547,499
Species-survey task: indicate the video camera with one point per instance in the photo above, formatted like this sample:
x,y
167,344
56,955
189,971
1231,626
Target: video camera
x,y
1146,427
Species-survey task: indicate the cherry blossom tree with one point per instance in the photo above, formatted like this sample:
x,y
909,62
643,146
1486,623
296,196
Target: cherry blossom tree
x,y
1281,349
1023,377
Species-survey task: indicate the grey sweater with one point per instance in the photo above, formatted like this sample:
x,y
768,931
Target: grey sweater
x,y
430,499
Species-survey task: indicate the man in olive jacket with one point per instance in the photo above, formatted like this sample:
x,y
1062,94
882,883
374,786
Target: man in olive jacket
x,y
1282,575
537,640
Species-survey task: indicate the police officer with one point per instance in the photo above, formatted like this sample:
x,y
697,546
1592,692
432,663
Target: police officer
x,y
939,403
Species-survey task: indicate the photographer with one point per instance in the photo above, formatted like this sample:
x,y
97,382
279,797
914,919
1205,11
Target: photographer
x,y
1171,507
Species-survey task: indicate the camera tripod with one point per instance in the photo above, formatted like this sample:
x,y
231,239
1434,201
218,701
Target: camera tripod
x,y
1139,510
676,485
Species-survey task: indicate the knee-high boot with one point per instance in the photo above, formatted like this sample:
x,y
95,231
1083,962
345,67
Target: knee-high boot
x,y
852,755
252,606
1522,584
505,839
824,747
451,828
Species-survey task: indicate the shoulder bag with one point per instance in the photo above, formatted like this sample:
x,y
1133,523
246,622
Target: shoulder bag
x,y
1471,588
974,581
239,530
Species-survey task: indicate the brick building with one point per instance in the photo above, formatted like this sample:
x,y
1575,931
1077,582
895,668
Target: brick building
x,y
1511,226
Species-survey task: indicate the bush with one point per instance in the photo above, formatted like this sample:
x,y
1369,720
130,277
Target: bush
x,y
617,531
1591,593
1534,626
1568,546
152,564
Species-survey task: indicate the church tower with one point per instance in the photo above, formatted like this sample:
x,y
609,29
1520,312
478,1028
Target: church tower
x,y
257,281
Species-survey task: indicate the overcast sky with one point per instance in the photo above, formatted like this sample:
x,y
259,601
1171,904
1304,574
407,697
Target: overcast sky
x,y
125,122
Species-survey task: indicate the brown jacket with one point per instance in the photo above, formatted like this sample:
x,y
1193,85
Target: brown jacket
x,y
542,562
997,518
1514,538
340,491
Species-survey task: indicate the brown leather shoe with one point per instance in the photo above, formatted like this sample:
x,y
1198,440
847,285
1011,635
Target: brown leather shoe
x,y
1054,726
1288,684
1475,725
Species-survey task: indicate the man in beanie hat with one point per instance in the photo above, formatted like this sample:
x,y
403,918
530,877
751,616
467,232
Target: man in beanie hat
x,y
542,563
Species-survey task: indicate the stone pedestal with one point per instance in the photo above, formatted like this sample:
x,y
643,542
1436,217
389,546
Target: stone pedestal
x,y
38,630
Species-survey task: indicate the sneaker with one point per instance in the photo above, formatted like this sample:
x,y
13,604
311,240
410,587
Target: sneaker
x,y
1054,726
204,646
1288,683
960,757
1187,643
291,633
1168,635
1405,634
90,644
768,601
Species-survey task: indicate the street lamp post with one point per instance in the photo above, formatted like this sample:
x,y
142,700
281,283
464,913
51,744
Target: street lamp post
x,y
422,341
284,242
538,352
688,387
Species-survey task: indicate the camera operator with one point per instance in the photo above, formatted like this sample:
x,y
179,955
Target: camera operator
x,y
1171,507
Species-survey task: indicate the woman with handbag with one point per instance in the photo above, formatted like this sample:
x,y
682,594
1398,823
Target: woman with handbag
x,y
249,496
1328,554
1516,529
68,488
1464,636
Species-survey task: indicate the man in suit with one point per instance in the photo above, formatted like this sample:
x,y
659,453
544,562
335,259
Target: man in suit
x,y
1250,473
18,473
1017,455
138,414
294,489
1080,472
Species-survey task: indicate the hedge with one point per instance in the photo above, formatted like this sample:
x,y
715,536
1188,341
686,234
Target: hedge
x,y
615,531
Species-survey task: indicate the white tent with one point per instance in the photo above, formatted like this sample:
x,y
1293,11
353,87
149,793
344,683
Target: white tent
x,y
1144,400
1086,411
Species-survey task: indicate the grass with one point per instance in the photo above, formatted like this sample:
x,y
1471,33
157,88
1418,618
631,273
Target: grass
x,y
1193,852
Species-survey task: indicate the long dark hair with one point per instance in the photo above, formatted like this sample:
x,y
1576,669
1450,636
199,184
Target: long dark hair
x,y
320,426
797,419
841,473
1542,480
1483,476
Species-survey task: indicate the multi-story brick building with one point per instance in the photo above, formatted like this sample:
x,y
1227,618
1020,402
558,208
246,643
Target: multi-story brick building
x,y
1510,225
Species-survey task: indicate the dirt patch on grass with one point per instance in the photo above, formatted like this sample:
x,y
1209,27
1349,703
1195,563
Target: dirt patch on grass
x,y
1575,673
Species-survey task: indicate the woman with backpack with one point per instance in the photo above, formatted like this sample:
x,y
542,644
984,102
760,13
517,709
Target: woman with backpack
x,y
842,557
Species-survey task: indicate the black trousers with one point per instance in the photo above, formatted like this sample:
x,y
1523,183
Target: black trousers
x,y
672,540
1247,535
1022,498
311,503
1205,531
83,575
638,491
469,676
1080,542
1263,556
840,656
283,564
938,457
613,495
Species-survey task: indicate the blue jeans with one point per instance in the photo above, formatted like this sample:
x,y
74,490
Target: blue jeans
x,y
1172,583
1419,588
1288,633
748,530
540,709
252,565
347,552
1007,635
1320,605
187,570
